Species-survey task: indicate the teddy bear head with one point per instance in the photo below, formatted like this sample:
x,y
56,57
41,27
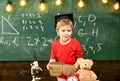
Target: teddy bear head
x,y
86,63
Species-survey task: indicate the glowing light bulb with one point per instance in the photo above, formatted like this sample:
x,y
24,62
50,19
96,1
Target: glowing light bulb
x,y
23,3
42,6
9,8
116,6
58,2
81,4
105,1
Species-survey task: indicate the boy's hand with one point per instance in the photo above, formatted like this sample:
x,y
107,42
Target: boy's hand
x,y
75,68
49,67
77,64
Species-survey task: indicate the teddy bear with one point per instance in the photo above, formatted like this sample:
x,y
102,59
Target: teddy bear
x,y
85,72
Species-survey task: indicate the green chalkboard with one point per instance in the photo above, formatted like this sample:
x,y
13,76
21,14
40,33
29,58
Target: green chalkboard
x,y
26,31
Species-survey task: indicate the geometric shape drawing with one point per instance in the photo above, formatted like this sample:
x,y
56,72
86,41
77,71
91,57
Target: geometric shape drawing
x,y
10,29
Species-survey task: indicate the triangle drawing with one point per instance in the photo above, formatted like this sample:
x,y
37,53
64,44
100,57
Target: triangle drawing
x,y
8,28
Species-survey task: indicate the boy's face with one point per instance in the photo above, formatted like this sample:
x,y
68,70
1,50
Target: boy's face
x,y
65,33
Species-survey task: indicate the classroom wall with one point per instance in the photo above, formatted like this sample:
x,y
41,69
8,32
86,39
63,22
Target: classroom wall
x,y
17,71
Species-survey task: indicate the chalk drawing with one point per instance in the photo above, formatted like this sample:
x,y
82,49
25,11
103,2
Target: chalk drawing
x,y
10,25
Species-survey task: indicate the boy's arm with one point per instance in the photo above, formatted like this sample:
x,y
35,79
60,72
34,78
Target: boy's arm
x,y
52,60
77,63
48,65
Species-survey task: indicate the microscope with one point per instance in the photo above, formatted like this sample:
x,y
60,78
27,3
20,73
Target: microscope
x,y
35,70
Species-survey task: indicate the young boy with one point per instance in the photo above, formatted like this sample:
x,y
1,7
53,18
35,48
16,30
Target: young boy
x,y
66,49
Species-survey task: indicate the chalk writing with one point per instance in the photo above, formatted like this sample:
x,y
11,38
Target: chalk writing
x,y
34,41
8,42
30,23
44,41
89,22
89,48
91,18
31,15
81,33
95,32
30,41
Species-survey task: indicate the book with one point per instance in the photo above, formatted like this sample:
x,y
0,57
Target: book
x,y
59,68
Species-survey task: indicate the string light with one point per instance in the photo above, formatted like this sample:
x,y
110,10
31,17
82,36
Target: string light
x,y
117,5
23,3
42,6
104,1
58,2
9,7
81,4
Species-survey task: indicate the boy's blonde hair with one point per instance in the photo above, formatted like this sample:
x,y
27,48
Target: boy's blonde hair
x,y
64,22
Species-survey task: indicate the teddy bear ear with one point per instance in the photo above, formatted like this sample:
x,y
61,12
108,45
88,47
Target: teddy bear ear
x,y
80,60
90,62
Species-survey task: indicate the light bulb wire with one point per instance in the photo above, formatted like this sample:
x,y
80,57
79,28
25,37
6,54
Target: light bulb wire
x,y
9,2
42,1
